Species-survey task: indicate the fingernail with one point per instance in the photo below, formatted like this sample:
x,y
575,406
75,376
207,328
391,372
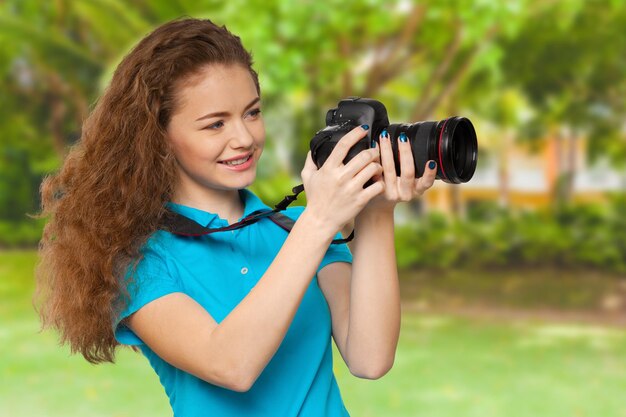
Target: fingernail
x,y
384,133
373,145
403,137
432,165
365,127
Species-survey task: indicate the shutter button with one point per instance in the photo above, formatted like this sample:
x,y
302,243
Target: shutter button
x,y
244,270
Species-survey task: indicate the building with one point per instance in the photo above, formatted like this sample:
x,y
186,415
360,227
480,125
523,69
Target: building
x,y
517,176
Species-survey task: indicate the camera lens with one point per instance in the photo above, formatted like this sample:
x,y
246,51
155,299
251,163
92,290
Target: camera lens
x,y
450,142
457,149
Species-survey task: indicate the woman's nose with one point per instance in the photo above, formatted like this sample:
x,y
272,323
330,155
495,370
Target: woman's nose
x,y
242,136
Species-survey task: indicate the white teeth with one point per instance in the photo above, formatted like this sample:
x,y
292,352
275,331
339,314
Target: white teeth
x,y
237,161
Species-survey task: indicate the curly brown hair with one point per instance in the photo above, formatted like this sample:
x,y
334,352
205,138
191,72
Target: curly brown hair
x,y
109,195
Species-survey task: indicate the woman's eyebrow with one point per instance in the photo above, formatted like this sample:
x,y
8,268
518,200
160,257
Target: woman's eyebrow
x,y
225,113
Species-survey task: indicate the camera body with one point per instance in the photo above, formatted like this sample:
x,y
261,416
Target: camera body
x,y
450,142
349,113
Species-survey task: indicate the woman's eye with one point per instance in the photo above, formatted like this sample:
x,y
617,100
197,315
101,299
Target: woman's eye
x,y
254,112
215,125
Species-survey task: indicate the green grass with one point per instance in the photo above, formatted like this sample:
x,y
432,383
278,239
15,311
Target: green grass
x,y
521,288
445,366
453,367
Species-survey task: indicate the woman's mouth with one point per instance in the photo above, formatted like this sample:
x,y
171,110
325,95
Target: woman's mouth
x,y
239,164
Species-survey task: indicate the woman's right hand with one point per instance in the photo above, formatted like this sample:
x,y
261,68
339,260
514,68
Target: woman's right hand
x,y
335,193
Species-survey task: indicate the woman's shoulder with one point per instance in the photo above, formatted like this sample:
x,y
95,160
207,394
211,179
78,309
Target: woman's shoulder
x,y
156,241
150,261
156,247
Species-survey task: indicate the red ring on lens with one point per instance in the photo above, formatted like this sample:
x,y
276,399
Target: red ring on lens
x,y
439,145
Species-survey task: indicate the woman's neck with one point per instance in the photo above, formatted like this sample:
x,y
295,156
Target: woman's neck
x,y
226,204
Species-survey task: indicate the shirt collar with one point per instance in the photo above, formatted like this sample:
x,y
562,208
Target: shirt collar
x,y
251,203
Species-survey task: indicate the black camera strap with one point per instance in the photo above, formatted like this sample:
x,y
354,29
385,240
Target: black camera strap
x,y
178,224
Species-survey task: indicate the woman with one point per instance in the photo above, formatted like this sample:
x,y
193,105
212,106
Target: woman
x,y
234,323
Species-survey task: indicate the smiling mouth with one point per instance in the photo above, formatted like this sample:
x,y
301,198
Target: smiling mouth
x,y
237,161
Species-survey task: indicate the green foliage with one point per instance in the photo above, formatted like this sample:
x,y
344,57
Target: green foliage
x,y
20,234
274,188
589,235
562,61
569,61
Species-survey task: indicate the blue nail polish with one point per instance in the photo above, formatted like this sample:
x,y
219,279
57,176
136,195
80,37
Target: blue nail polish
x,y
403,137
365,127
432,165
373,145
384,133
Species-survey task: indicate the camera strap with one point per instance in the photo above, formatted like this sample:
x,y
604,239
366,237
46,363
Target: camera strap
x,y
180,225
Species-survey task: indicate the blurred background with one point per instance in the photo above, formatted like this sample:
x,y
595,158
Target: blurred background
x,y
513,284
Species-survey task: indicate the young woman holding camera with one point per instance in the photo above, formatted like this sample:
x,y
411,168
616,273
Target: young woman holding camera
x,y
238,322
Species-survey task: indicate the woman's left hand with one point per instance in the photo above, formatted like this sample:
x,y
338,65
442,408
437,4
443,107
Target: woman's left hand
x,y
405,187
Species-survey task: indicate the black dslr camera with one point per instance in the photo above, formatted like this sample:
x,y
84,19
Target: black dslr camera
x,y
450,142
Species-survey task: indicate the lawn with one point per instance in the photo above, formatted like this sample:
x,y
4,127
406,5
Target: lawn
x,y
445,366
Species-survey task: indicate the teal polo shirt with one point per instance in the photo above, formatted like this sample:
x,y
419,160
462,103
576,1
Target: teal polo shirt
x,y
218,271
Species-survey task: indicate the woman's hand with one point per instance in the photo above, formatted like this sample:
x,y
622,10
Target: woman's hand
x,y
335,193
405,187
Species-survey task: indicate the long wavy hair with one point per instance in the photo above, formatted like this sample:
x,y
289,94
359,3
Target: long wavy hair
x,y
109,195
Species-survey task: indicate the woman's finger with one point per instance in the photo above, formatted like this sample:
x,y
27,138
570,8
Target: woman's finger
x,y
373,190
427,180
371,171
386,157
360,161
344,145
309,167
407,168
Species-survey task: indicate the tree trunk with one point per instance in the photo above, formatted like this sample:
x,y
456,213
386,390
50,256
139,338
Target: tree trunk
x,y
566,154
503,171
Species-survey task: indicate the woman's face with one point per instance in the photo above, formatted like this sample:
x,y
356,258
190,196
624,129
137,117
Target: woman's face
x,y
217,132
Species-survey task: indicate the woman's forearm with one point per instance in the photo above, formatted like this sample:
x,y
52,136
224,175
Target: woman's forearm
x,y
374,323
249,336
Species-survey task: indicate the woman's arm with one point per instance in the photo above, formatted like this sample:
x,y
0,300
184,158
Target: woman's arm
x,y
234,352
365,299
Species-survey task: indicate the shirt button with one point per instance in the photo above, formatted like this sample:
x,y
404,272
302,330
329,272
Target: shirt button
x,y
244,270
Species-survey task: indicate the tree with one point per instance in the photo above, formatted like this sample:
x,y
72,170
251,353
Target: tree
x,y
570,64
422,60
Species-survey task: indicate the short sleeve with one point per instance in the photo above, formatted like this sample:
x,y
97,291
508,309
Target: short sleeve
x,y
150,280
335,253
